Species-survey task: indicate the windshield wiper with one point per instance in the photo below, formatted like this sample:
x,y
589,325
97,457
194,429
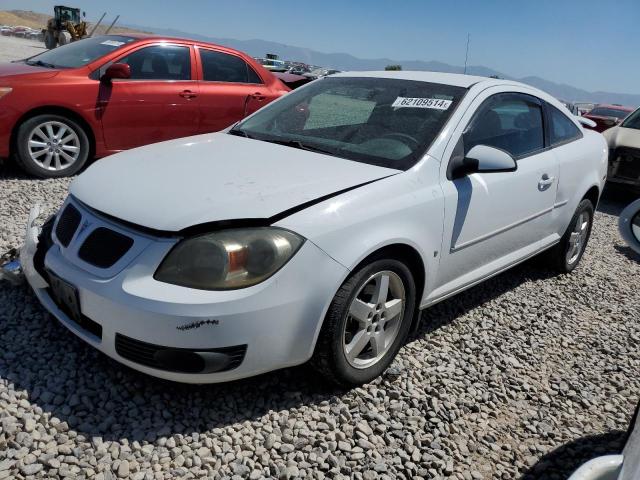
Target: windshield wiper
x,y
302,146
40,63
239,133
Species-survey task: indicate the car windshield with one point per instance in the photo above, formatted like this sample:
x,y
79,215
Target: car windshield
x,y
609,112
633,120
380,121
79,53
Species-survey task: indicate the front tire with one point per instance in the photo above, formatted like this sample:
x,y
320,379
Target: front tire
x,y
566,255
51,146
50,41
367,323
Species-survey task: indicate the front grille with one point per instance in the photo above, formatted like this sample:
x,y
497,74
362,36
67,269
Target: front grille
x,y
627,163
68,224
152,355
104,247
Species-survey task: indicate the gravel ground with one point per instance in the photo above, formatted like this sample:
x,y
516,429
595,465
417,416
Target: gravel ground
x,y
525,376
13,48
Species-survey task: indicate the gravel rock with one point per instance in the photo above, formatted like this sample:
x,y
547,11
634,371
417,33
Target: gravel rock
x,y
524,376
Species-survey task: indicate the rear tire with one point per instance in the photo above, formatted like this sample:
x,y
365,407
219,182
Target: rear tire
x,y
362,331
50,41
51,146
566,255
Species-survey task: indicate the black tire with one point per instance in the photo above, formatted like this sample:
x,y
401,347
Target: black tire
x,y
329,357
23,157
50,41
557,256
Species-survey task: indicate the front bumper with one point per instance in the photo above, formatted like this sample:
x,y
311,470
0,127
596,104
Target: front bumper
x,y
624,166
277,320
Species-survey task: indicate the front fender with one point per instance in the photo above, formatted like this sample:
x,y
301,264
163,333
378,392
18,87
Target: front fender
x,y
401,209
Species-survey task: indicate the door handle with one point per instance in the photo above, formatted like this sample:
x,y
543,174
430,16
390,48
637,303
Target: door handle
x,y
187,94
258,96
545,182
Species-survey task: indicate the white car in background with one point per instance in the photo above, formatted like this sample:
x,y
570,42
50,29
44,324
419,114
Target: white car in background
x,y
624,466
317,227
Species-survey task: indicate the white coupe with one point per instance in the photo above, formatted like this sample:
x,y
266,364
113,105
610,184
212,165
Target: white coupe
x,y
317,228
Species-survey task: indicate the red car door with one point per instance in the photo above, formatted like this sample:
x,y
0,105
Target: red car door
x,y
229,89
158,102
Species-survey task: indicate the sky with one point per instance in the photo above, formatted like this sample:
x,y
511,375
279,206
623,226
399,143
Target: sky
x,y
590,44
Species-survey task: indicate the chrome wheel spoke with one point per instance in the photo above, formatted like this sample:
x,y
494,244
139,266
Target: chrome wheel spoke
x,y
357,344
39,153
377,344
66,156
70,148
58,164
49,128
47,161
35,143
393,308
38,131
68,138
381,291
360,310
61,132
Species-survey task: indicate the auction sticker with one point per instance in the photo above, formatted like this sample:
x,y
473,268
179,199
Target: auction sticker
x,y
435,103
112,43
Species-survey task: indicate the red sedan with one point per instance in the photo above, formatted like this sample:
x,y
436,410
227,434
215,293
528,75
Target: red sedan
x,y
105,94
607,116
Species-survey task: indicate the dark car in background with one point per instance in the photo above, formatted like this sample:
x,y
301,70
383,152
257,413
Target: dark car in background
x,y
607,116
106,94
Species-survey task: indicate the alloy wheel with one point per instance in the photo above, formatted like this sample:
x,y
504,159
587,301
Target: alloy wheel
x,y
374,319
578,238
54,146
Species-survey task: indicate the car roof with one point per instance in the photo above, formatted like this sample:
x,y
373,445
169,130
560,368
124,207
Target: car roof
x,y
614,107
168,38
455,79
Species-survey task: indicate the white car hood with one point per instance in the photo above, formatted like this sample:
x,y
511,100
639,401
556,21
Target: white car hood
x,y
174,185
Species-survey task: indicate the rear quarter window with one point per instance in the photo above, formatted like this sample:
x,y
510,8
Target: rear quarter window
x,y
562,129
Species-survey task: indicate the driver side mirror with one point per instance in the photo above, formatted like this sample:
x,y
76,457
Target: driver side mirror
x,y
116,70
629,225
484,159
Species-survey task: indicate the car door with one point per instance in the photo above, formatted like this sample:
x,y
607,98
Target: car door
x,y
158,102
229,89
494,219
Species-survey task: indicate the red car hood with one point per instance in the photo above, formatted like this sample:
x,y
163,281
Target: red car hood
x,y
8,70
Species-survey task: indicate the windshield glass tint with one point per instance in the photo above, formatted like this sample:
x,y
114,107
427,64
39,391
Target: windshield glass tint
x,y
385,122
80,53
633,121
608,112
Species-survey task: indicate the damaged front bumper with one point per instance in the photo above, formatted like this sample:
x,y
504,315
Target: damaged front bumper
x,y
18,264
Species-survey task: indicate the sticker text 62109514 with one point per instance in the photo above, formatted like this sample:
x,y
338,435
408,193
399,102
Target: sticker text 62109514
x,y
435,103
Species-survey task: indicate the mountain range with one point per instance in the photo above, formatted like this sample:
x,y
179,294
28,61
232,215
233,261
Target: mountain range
x,y
345,61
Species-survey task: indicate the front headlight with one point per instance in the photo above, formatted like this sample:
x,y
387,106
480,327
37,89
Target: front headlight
x,y
228,259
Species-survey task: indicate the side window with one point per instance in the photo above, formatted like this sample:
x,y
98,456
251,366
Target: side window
x,y
509,121
221,67
562,129
159,62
